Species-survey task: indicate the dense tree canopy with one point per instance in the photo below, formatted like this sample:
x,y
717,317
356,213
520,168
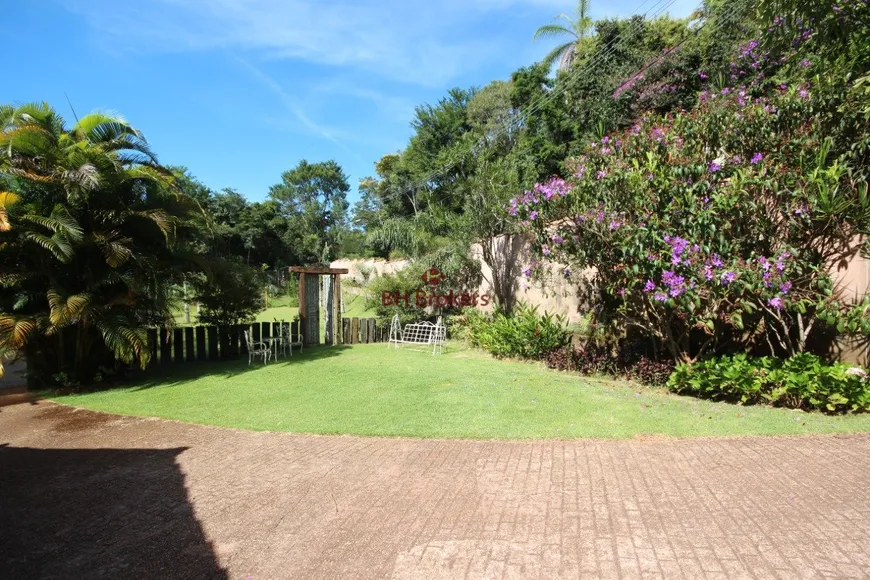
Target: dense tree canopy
x,y
312,198
93,234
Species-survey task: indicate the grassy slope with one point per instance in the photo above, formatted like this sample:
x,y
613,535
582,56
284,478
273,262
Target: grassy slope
x,y
280,308
372,390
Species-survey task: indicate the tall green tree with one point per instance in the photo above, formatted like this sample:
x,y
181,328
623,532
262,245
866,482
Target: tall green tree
x,y
92,237
312,197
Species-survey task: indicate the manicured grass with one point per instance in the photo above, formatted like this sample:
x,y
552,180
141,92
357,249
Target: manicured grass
x,y
373,390
282,308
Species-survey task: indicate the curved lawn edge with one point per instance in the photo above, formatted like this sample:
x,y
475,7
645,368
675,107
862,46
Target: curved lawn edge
x,y
642,438
370,391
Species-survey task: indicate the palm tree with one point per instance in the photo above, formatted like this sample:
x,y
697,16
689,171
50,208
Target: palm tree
x,y
89,225
575,29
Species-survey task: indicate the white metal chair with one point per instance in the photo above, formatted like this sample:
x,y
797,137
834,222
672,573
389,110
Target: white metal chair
x,y
290,340
256,349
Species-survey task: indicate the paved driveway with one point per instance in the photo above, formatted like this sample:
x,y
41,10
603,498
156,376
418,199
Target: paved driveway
x,y
85,494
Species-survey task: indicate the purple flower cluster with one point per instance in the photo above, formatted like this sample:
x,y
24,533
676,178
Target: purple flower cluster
x,y
555,187
678,249
529,270
675,283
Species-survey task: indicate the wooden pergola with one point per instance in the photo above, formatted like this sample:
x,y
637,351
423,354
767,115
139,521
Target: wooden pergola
x,y
309,302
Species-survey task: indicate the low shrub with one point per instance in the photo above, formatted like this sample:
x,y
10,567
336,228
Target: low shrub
x,y
620,361
522,334
652,372
393,294
462,326
803,381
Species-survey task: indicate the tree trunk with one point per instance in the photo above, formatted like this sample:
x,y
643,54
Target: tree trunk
x,y
186,305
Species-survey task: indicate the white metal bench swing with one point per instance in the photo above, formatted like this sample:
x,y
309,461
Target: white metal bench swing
x,y
420,334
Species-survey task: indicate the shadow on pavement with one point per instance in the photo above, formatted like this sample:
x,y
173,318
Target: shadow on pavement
x,y
99,513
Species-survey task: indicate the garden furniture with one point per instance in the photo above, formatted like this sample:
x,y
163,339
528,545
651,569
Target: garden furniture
x,y
418,334
256,349
289,340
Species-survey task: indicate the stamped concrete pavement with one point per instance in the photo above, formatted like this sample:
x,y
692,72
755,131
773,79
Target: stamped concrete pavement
x,y
86,494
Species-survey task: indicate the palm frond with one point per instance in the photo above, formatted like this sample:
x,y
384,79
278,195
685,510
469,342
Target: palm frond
x,y
57,245
7,200
127,341
85,176
115,248
557,54
66,310
553,31
15,331
60,221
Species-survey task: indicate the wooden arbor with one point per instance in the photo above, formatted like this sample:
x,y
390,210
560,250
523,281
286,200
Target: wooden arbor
x,y
309,303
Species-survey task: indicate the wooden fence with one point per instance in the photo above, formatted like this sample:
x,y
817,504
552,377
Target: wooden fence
x,y
211,343
363,331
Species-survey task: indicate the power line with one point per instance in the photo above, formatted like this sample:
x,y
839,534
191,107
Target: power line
x,y
567,80
659,7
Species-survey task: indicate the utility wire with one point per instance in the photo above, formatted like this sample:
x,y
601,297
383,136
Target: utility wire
x,y
567,80
657,9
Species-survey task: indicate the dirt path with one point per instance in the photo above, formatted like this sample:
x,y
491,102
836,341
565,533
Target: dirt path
x,y
84,494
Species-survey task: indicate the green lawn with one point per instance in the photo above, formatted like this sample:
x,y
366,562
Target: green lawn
x,y
373,390
281,308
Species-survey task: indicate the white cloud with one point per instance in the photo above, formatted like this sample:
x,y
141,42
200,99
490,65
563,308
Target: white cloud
x,y
417,42
395,39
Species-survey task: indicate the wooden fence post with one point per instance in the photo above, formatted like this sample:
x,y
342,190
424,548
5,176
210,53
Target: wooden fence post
x,y
354,330
336,304
189,347
233,332
152,344
224,340
200,343
243,344
165,346
212,342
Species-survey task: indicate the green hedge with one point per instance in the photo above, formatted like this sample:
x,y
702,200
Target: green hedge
x,y
803,381
522,334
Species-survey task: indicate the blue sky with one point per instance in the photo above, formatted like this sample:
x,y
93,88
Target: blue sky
x,y
241,90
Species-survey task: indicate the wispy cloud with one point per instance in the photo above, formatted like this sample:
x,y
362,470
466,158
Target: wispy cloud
x,y
423,43
391,106
403,41
292,106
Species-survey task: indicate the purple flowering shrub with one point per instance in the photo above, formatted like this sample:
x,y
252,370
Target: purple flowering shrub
x,y
708,229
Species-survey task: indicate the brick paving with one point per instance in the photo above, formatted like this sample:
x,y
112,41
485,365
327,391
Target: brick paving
x,y
85,494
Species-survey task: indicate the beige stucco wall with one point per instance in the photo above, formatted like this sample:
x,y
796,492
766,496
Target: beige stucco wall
x,y
553,293
557,295
513,253
852,279
379,266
